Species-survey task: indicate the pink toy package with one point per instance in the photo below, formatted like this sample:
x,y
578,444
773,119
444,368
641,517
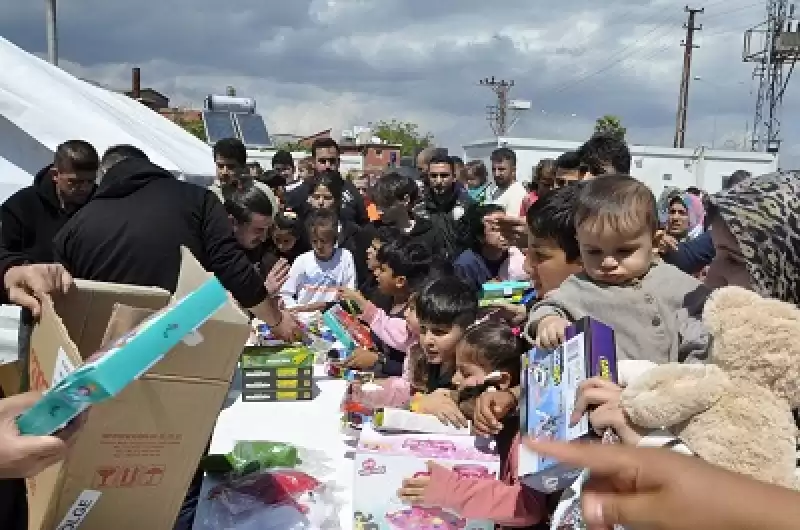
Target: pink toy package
x,y
382,461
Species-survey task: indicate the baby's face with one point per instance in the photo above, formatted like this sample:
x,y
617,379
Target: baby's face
x,y
612,256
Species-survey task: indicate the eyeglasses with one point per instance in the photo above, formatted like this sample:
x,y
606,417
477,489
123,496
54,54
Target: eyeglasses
x,y
328,161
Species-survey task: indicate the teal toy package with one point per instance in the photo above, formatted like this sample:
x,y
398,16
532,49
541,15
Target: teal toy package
x,y
124,361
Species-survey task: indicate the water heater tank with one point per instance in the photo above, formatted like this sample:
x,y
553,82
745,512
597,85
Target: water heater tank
x,y
230,104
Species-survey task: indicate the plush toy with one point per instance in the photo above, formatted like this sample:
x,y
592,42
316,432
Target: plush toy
x,y
735,412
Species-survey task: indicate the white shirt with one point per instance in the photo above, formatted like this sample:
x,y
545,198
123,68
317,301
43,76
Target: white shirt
x,y
312,280
509,198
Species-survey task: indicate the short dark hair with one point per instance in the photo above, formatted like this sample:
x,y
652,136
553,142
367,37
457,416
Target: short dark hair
x,y
552,217
322,218
735,178
255,165
502,154
231,148
619,200
272,178
457,160
407,258
603,150
447,301
442,159
390,189
472,227
495,346
331,179
546,167
571,161
117,153
324,143
241,204
76,155
290,221
283,157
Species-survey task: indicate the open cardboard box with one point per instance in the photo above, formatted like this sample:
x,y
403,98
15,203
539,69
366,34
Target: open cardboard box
x,y
137,453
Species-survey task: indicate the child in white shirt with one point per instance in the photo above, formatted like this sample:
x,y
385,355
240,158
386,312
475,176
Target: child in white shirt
x,y
316,275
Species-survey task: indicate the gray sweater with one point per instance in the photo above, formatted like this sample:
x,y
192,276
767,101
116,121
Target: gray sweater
x,y
656,319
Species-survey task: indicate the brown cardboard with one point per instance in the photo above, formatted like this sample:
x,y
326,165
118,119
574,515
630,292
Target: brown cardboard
x,y
11,377
140,449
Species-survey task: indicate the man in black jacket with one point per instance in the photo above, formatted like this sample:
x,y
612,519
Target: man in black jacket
x,y
132,230
326,154
31,217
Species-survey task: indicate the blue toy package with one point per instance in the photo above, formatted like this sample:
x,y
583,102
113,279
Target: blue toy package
x,y
550,380
124,361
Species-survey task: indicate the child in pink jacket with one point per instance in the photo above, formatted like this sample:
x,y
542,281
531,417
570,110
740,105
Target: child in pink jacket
x,y
488,347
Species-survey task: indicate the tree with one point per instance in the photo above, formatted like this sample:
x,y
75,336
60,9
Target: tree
x,y
194,127
294,147
404,134
610,124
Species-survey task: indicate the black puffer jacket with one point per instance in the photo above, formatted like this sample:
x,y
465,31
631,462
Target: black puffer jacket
x,y
444,212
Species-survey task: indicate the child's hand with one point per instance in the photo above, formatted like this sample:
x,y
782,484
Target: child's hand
x,y
361,359
277,276
490,409
352,295
514,314
443,407
550,331
414,488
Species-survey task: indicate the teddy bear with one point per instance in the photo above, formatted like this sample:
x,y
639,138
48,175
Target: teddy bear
x,y
736,411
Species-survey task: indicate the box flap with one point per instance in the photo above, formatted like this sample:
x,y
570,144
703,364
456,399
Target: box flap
x,y
86,308
192,275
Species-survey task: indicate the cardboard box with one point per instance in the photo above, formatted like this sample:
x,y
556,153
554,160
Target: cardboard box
x,y
134,458
550,380
383,461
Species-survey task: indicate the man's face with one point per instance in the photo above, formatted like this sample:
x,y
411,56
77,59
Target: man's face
x,y
228,169
504,173
327,158
285,170
440,178
251,235
74,187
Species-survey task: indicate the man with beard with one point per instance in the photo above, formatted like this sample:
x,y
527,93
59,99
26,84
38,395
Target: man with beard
x,y
31,217
443,204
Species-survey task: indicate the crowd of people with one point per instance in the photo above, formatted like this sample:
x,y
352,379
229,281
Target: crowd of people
x,y
411,248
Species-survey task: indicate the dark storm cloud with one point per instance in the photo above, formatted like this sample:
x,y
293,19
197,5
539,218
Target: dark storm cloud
x,y
420,58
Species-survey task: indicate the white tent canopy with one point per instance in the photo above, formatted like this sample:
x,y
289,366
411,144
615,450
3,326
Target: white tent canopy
x,y
42,106
48,106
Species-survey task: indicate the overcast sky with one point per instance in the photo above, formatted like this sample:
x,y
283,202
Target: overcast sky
x,y
317,64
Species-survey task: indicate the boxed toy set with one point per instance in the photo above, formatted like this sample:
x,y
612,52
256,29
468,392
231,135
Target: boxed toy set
x,y
401,420
515,292
347,329
122,362
550,380
277,373
383,461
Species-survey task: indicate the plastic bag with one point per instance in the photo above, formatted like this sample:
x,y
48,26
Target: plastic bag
x,y
273,499
249,457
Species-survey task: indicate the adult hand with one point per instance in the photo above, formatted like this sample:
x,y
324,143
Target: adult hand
x,y
27,285
440,404
665,243
490,408
662,490
361,359
277,276
26,456
288,329
551,331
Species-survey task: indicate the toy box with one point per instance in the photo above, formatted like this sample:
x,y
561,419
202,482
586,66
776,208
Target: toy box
x,y
123,361
383,461
503,290
393,419
550,380
347,329
277,373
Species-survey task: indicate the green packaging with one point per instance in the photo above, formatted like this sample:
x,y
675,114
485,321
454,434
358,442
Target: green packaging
x,y
249,457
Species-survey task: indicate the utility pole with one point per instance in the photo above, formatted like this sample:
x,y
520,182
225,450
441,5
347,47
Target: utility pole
x,y
52,32
774,47
498,115
683,102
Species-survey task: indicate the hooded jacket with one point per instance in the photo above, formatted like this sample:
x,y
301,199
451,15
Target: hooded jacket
x,y
29,220
132,230
444,213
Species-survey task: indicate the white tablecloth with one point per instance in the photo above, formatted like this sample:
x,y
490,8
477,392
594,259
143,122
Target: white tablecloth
x,y
310,424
